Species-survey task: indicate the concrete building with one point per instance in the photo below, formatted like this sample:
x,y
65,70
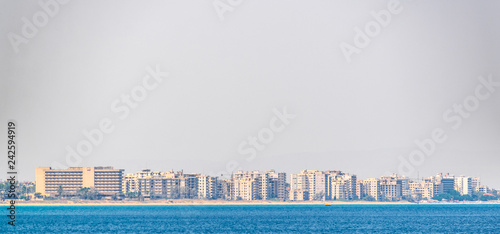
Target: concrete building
x,y
448,183
207,187
169,184
340,186
254,185
276,185
106,180
130,183
224,186
312,181
246,189
371,187
390,189
405,186
463,184
359,189
443,183
299,195
424,190
482,189
323,185
476,183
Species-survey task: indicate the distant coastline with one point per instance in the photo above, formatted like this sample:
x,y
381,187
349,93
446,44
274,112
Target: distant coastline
x,y
222,202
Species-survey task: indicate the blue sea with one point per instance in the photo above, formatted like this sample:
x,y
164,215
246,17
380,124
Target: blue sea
x,y
258,219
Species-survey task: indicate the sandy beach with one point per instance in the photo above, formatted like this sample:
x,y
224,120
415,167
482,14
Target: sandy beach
x,y
213,202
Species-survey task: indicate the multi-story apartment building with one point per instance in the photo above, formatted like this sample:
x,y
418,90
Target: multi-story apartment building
x,y
312,181
476,183
106,180
254,185
188,184
299,195
340,186
371,187
448,183
390,189
224,186
482,189
245,189
162,184
207,187
359,189
319,185
442,183
130,183
405,186
276,185
463,184
423,189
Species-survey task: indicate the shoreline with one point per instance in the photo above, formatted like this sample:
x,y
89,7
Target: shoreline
x,y
219,202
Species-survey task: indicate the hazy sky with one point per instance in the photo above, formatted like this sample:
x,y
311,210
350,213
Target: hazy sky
x,y
227,76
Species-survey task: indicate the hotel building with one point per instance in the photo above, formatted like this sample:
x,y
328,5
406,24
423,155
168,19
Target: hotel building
x,y
51,182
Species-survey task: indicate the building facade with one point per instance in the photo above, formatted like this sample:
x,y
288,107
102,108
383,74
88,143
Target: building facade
x,y
390,189
255,185
312,181
371,187
106,181
323,185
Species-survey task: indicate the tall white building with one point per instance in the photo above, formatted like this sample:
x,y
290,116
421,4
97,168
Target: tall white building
x,y
463,184
340,186
207,187
322,185
371,187
311,181
255,185
162,184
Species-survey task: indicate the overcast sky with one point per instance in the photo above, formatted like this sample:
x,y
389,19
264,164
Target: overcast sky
x,y
232,67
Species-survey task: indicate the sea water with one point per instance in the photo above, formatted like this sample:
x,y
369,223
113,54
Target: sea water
x,y
257,219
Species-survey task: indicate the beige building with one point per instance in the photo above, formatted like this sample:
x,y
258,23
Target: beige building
x,y
245,189
106,180
312,181
224,188
423,189
299,195
371,187
162,184
390,189
340,186
255,185
322,185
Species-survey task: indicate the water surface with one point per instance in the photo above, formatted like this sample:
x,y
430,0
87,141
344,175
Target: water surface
x,y
259,219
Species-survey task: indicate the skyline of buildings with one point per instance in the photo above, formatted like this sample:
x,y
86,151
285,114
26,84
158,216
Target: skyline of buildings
x,y
250,185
